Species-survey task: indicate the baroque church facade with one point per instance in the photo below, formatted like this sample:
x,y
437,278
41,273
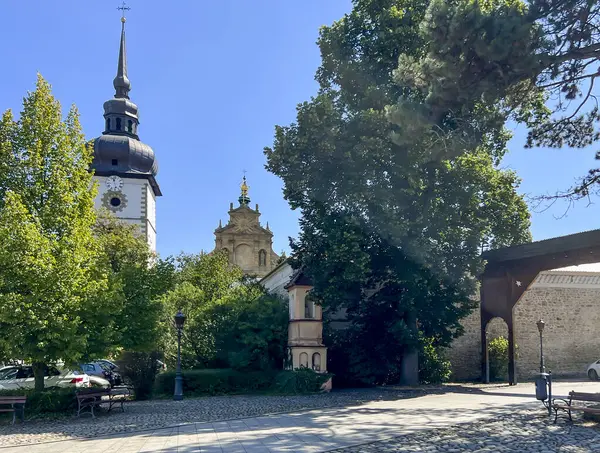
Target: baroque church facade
x,y
125,167
248,244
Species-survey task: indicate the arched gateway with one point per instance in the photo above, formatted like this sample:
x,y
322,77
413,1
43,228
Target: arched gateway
x,y
510,271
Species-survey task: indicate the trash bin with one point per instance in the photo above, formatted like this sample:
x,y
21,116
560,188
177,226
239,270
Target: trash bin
x,y
541,387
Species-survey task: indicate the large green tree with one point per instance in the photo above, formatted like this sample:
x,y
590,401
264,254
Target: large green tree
x,y
48,257
390,232
533,62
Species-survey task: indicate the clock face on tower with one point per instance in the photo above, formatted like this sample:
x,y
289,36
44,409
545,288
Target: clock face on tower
x,y
114,183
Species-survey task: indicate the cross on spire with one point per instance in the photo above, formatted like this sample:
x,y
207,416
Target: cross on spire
x,y
123,8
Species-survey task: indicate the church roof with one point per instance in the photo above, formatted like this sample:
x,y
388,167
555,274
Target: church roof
x,y
299,278
118,151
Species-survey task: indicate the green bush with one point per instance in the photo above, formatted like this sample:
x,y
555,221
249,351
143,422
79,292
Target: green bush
x,y
433,367
498,358
210,382
50,400
302,380
216,382
139,369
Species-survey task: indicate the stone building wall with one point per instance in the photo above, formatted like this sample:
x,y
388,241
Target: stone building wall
x,y
569,304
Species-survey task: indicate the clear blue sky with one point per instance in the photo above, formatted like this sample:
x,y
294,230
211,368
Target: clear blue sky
x,y
212,79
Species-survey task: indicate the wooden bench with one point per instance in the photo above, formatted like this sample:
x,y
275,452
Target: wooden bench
x,y
17,405
92,398
568,406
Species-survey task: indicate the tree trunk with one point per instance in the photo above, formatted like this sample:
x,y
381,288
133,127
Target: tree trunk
x,y
38,373
409,369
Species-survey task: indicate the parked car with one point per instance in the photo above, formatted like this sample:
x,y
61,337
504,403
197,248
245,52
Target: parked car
x,y
98,369
593,371
17,377
111,365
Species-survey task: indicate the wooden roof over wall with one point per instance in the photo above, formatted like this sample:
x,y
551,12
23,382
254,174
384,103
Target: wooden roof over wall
x,y
561,244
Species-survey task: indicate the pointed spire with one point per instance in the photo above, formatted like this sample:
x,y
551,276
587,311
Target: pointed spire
x,y
121,82
220,224
268,226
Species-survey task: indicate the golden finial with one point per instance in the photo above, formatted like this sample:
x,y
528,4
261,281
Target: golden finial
x,y
244,199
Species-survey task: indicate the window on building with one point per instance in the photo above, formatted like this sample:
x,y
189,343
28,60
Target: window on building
x,y
304,359
129,126
118,124
309,306
262,258
107,124
316,361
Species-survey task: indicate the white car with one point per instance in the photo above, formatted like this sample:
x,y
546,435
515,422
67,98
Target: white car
x,y
593,371
17,377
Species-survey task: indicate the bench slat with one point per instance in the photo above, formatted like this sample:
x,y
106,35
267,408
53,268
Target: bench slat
x,y
592,397
576,408
91,395
10,399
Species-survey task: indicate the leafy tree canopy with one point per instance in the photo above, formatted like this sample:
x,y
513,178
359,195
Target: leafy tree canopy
x,y
231,321
533,62
392,222
48,256
136,281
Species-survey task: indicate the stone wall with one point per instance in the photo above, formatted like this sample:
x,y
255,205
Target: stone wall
x,y
569,304
464,354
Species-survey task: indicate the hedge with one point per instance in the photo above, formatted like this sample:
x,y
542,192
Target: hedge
x,y
229,382
50,400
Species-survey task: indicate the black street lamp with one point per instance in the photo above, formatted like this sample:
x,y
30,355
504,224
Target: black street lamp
x,y
540,326
179,322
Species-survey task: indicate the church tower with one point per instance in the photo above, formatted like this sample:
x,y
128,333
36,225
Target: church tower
x,y
124,167
248,244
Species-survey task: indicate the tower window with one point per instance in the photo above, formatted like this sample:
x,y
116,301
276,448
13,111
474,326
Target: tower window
x,y
115,162
118,124
129,126
309,307
303,360
115,201
316,361
107,124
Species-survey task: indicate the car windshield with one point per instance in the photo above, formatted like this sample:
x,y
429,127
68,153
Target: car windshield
x,y
8,373
88,368
107,363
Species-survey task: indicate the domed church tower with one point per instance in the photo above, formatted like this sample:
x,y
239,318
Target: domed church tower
x,y
126,168
248,244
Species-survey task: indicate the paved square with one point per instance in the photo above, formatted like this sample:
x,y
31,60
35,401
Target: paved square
x,y
424,418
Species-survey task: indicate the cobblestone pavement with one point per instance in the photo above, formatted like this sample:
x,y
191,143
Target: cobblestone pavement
x,y
455,420
144,415
523,433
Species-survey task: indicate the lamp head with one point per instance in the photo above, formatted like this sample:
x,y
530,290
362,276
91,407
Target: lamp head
x,y
540,325
179,319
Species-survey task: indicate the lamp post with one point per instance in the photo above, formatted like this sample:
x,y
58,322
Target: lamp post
x,y
543,385
179,322
540,326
